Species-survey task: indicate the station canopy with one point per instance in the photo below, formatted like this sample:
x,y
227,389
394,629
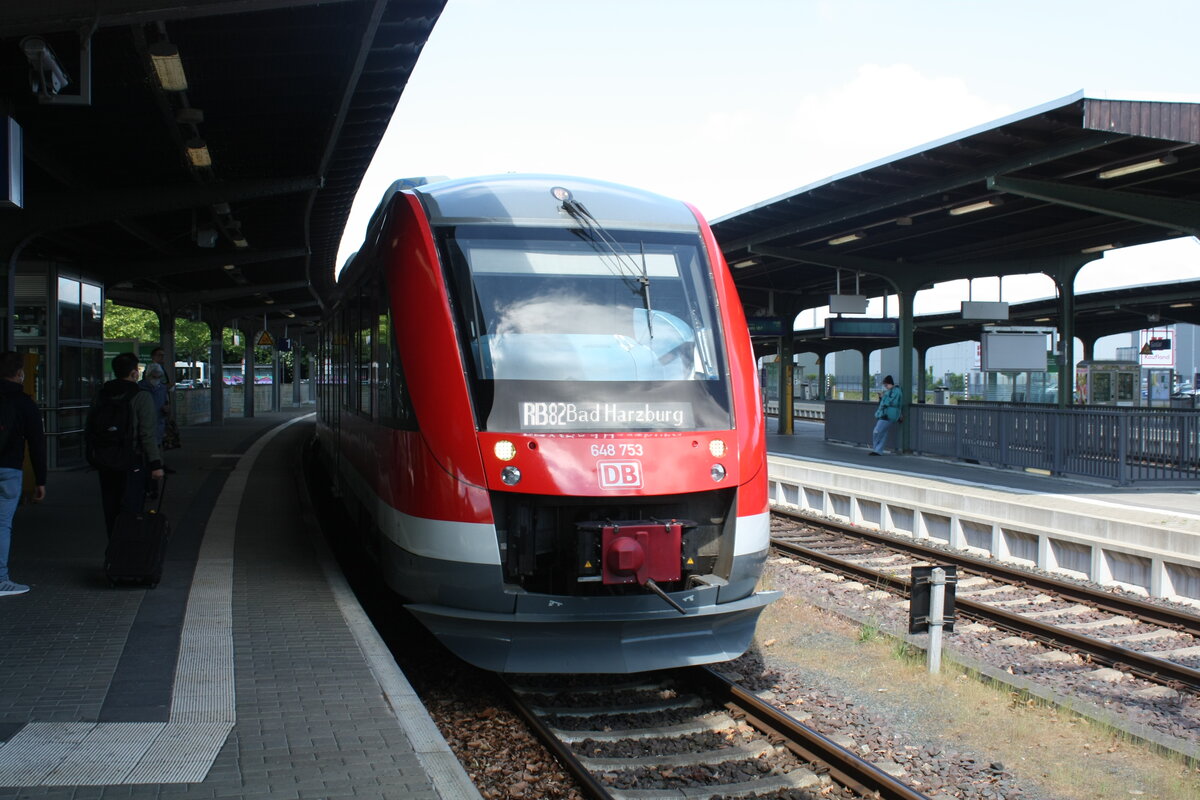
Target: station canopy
x,y
1045,190
200,153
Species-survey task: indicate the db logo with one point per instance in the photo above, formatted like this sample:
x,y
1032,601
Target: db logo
x,y
620,474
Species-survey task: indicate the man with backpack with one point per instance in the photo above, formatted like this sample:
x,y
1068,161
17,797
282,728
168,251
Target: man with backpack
x,y
20,424
121,441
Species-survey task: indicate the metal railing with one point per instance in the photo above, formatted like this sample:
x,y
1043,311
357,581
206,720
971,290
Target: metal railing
x,y
1123,446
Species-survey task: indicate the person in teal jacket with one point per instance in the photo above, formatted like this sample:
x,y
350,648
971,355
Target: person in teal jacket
x,y
889,412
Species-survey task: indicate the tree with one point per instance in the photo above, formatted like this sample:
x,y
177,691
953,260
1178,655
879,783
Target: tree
x,y
123,322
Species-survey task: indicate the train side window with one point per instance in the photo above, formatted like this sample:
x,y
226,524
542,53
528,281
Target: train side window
x,y
382,380
395,406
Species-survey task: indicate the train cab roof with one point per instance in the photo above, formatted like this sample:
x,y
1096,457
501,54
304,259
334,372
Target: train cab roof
x,y
537,200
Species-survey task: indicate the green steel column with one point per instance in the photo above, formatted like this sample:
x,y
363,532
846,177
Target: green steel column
x,y
906,360
166,339
216,375
786,412
1089,348
1066,326
921,387
248,374
866,373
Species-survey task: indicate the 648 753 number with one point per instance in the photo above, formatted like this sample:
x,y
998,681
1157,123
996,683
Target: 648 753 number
x,y
616,449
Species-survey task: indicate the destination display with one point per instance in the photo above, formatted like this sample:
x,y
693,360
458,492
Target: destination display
x,y
555,416
859,328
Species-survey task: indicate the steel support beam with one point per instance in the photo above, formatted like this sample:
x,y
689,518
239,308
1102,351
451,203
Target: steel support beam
x,y
49,16
183,265
74,209
1175,215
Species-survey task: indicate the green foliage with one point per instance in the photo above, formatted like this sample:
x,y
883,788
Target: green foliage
x,y
869,630
123,322
192,339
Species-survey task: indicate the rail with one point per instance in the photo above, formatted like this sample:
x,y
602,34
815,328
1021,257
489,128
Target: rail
x,y
1122,446
1114,603
848,769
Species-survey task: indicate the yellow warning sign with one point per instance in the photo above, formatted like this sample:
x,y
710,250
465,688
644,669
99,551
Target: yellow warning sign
x,y
1145,351
587,565
264,340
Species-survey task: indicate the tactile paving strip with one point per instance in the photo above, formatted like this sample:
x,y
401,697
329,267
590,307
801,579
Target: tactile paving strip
x,y
203,704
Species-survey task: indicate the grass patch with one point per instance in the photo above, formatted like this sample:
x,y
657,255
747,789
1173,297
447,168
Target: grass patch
x,y
869,631
1065,756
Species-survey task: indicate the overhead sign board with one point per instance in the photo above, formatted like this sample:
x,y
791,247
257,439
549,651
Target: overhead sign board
x,y
975,309
1014,350
765,326
1157,348
847,304
859,328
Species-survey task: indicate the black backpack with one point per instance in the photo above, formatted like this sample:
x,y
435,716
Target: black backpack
x,y
109,435
8,419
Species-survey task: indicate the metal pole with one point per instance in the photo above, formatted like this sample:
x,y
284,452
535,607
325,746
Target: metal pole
x,y
937,605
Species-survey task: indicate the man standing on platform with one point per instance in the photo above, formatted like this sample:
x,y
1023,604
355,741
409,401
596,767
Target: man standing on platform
x,y
121,441
20,424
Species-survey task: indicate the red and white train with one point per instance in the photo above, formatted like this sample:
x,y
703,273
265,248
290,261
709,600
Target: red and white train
x,y
540,395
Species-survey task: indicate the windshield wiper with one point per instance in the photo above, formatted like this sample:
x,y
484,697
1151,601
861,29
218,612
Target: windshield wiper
x,y
613,254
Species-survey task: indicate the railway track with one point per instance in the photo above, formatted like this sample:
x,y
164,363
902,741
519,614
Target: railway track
x,y
688,733
1030,605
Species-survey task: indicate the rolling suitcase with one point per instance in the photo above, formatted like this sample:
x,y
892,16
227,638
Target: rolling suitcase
x,y
138,546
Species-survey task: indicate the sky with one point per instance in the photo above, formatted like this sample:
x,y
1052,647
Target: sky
x,y
728,104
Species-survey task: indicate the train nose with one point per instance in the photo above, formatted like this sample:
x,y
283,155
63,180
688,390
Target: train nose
x,y
625,556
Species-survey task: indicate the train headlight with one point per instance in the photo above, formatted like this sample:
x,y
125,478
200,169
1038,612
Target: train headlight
x,y
505,450
717,448
717,472
510,475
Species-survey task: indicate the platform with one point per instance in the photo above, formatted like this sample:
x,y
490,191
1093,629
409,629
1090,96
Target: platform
x,y
1146,540
250,671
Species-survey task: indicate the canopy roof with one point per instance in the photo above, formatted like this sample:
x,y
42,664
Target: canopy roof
x,y
1045,190
290,98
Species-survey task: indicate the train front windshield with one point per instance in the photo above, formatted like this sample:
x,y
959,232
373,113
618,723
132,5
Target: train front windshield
x,y
566,333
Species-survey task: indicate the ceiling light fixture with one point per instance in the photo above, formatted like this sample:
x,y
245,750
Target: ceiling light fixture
x,y
1140,166
168,66
850,237
1182,305
239,240
973,207
229,267
1042,319
749,262
197,153
1100,248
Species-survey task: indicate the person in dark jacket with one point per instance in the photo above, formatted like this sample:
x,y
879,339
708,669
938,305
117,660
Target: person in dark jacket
x,y
25,429
125,489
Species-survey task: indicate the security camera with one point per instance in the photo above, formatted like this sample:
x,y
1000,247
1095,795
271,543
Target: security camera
x,y
46,75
